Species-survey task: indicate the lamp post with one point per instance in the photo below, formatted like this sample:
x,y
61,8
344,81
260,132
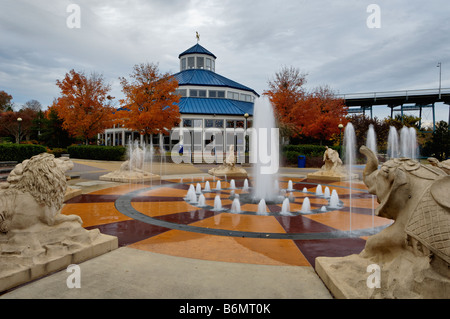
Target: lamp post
x,y
341,126
246,115
19,121
439,65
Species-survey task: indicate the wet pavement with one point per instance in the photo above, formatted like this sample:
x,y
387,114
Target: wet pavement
x,y
164,237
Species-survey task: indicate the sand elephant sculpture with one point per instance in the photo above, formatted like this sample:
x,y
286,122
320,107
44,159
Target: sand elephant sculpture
x,y
413,253
332,161
417,198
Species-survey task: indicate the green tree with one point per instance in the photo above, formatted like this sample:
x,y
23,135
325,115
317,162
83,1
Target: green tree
x,y
439,145
52,132
5,102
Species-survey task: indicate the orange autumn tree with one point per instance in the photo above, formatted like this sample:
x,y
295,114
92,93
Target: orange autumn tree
x,y
315,114
319,115
285,91
150,105
84,106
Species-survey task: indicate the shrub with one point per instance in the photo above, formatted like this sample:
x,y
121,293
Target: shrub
x,y
313,153
19,152
108,153
57,151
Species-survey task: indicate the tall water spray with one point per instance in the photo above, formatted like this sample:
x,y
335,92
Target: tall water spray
x,y
393,143
408,142
371,141
264,147
350,159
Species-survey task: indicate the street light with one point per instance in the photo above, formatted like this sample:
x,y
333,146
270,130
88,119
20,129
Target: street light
x,y
246,115
341,126
19,120
439,65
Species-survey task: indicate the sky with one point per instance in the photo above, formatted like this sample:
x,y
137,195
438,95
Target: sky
x,y
346,45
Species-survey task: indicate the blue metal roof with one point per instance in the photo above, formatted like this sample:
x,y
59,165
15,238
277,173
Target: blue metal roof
x,y
196,49
214,106
202,77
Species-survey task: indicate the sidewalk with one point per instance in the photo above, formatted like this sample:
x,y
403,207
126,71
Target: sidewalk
x,y
131,273
128,273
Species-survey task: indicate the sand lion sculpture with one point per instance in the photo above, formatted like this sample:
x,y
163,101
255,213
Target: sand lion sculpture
x,y
35,237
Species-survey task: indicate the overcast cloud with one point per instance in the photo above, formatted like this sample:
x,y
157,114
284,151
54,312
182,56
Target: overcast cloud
x,y
252,40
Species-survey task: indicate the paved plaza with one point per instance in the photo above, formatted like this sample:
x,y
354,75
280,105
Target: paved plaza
x,y
170,248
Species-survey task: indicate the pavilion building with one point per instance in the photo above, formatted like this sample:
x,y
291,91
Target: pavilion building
x,y
207,100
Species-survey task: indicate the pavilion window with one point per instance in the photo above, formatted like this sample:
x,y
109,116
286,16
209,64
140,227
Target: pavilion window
x,y
191,62
183,64
197,123
200,62
209,123
201,93
230,124
233,95
208,64
181,92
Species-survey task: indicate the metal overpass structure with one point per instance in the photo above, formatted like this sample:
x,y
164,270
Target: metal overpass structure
x,y
408,100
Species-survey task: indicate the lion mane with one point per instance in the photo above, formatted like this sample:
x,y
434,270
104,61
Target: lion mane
x,y
44,180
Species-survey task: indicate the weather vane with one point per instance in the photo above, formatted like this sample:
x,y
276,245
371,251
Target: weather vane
x,y
198,36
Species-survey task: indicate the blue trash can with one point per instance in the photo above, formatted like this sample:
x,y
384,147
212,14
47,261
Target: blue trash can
x,y
301,161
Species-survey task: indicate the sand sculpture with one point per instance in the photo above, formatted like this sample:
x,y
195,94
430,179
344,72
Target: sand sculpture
x,y
333,169
413,254
131,170
229,168
35,237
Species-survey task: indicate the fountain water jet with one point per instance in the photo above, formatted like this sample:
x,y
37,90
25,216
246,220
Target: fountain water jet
x,y
334,199
133,170
201,201
232,184
393,144
264,148
236,206
350,159
207,187
306,206
408,142
290,187
245,187
326,193
217,203
371,141
319,190
285,208
262,207
191,197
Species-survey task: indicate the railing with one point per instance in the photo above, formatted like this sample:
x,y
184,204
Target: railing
x,y
375,95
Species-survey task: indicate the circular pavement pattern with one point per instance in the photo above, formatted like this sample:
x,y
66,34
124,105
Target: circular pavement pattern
x,y
157,217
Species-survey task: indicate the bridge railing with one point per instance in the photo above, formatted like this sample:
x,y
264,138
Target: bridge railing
x,y
381,94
